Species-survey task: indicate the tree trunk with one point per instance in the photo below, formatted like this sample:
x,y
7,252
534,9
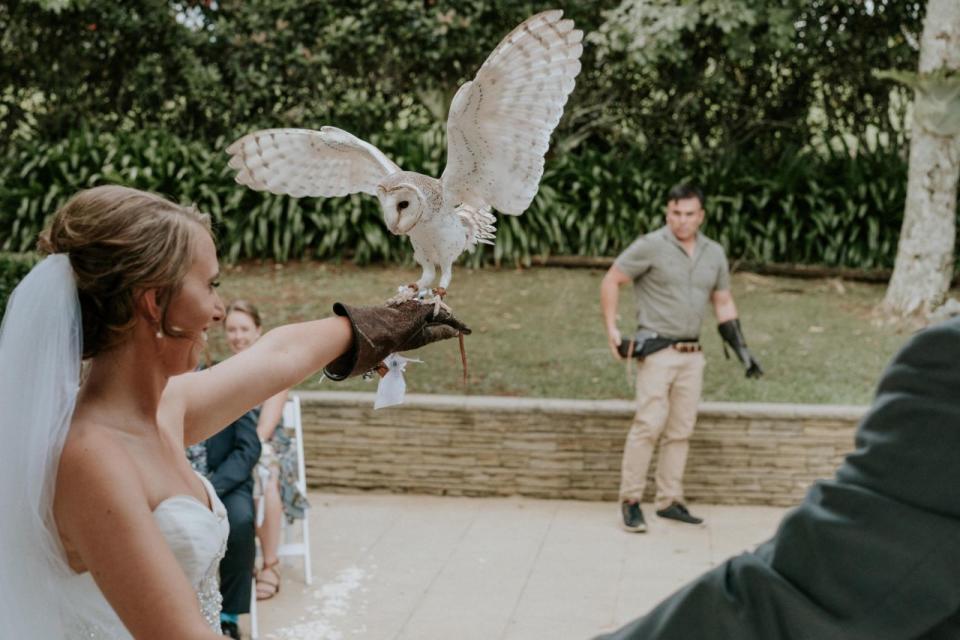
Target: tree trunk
x,y
924,263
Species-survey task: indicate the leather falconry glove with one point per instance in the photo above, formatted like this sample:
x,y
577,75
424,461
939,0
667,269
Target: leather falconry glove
x,y
380,331
732,335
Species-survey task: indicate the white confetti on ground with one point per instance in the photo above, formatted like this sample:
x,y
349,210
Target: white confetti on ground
x,y
333,601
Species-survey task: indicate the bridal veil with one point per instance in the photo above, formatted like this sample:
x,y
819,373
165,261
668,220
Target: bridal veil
x,y
40,358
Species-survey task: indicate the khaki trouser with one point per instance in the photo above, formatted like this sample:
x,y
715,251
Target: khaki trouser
x,y
668,391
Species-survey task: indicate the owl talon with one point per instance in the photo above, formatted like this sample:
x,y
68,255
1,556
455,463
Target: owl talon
x,y
440,293
404,293
438,304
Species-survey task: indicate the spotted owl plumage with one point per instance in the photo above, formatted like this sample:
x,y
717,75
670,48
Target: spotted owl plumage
x,y
498,131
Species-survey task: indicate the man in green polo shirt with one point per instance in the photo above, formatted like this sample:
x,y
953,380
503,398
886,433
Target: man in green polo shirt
x,y
676,271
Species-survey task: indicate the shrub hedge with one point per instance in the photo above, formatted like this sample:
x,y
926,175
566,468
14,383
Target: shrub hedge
x,y
833,207
13,267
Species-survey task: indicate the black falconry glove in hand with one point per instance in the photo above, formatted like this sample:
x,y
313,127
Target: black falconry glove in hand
x,y
380,331
732,335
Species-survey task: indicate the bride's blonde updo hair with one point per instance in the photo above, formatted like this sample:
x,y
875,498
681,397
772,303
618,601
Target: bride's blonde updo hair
x,y
122,242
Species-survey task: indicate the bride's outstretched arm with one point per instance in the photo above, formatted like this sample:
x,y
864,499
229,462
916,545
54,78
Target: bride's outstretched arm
x,y
352,342
213,398
107,527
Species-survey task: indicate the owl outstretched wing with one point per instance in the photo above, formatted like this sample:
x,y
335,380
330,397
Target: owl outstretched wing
x,y
303,162
499,124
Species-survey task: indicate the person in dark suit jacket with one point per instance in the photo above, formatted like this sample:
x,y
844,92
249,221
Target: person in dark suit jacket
x,y
873,554
231,456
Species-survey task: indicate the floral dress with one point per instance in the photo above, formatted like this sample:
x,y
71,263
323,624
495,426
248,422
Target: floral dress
x,y
279,456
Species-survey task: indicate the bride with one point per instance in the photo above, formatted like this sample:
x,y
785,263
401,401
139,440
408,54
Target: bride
x,y
106,530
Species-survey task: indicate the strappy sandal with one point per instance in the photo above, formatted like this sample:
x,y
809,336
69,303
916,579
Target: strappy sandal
x,y
267,587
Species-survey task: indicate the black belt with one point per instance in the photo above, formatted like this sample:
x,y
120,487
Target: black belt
x,y
648,342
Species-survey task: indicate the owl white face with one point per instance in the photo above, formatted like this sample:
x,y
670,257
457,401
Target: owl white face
x,y
402,207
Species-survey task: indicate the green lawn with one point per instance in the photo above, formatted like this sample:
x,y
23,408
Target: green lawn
x,y
537,332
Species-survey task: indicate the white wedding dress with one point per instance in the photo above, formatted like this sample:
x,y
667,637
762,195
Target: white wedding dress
x,y
196,535
41,598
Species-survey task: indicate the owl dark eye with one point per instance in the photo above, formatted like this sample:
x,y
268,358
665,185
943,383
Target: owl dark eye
x,y
403,204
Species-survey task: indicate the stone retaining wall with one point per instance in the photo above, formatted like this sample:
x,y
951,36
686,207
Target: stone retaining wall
x,y
547,448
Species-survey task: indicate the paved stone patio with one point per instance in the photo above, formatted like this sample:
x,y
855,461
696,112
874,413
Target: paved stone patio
x,y
415,567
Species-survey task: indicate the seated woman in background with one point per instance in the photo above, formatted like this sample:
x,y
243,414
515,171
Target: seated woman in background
x,y
277,470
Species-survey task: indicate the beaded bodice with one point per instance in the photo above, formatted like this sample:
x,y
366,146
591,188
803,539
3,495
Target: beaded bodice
x,y
196,535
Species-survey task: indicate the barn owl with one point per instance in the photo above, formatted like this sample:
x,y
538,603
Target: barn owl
x,y
498,130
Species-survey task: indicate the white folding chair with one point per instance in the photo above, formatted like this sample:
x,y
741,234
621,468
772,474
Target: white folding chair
x,y
291,420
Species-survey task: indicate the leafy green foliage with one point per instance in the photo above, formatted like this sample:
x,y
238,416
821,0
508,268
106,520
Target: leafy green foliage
x,y
205,69
679,76
722,76
834,207
739,95
37,177
13,267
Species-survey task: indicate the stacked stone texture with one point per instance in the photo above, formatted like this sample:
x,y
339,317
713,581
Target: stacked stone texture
x,y
485,446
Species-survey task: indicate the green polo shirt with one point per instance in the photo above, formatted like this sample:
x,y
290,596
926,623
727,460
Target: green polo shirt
x,y
672,288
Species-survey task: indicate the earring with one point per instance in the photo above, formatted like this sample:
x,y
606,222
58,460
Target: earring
x,y
159,334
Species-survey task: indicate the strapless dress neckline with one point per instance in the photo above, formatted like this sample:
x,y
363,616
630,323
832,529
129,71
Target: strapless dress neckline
x,y
197,536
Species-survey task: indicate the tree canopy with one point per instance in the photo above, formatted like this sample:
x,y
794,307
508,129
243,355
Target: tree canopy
x,y
772,106
722,75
